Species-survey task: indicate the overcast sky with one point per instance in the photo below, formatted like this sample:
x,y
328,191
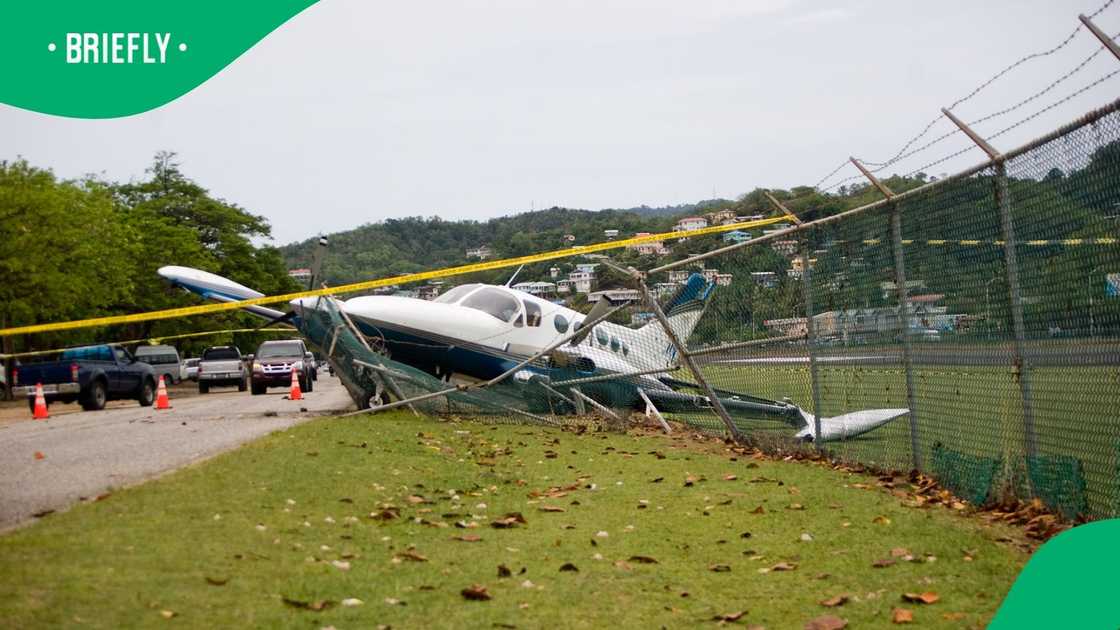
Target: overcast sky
x,y
356,111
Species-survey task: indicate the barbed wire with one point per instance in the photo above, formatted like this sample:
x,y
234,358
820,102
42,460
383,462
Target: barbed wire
x,y
904,152
1051,106
834,171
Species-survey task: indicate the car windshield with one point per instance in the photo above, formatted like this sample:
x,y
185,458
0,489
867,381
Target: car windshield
x,y
281,349
493,302
221,354
456,293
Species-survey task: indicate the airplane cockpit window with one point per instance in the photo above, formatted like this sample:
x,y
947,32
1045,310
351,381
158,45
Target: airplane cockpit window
x,y
455,293
494,302
532,313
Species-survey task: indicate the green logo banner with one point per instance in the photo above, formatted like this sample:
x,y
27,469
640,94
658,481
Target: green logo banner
x,y
1071,582
89,59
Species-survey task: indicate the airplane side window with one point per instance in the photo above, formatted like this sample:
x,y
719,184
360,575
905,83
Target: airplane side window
x,y
561,323
495,303
601,336
532,314
614,344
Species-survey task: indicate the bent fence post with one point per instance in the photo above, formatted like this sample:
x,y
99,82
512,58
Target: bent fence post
x,y
713,399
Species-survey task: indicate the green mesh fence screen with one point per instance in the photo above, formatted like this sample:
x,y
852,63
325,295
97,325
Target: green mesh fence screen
x,y
990,358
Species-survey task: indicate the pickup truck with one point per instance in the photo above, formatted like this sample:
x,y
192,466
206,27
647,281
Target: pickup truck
x,y
274,363
222,365
91,375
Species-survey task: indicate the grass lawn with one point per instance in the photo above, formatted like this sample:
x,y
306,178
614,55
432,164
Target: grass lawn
x,y
657,531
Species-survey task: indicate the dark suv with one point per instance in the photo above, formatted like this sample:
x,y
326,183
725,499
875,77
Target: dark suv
x,y
274,363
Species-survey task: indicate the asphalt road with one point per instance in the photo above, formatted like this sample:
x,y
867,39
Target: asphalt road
x,y
86,454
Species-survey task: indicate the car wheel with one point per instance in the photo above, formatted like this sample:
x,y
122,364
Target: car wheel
x,y
203,388
94,399
310,384
147,394
242,386
258,389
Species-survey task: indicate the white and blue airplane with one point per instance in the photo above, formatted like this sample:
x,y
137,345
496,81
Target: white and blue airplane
x,y
475,332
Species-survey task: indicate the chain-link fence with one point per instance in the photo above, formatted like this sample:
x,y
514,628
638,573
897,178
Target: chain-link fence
x,y
968,328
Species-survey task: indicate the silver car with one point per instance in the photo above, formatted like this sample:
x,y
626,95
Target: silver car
x,y
222,365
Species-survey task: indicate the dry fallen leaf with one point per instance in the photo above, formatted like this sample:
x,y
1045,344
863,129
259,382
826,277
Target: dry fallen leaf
x,y
827,622
476,592
317,606
643,559
900,552
719,568
216,581
503,571
783,566
953,616
167,614
881,520
411,554
467,538
730,617
928,597
731,478
568,566
550,508
832,602
758,510
901,615
883,563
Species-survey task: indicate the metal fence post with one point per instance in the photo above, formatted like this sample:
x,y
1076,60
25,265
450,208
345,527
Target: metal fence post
x,y
903,310
1011,268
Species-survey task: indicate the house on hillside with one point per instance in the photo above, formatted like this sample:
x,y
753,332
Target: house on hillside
x,y
581,281
689,224
652,248
721,217
723,279
765,279
610,234
540,289
736,236
615,296
482,253
563,286
428,291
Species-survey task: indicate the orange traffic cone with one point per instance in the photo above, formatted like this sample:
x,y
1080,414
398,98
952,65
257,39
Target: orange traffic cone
x,y
295,394
162,402
40,404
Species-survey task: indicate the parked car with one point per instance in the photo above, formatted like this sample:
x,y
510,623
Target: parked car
x,y
312,365
165,361
91,375
190,369
274,363
222,366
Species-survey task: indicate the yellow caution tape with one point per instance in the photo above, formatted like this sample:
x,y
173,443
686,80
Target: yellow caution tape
x,y
188,311
156,340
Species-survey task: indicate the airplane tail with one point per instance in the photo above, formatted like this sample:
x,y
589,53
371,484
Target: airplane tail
x,y
683,311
